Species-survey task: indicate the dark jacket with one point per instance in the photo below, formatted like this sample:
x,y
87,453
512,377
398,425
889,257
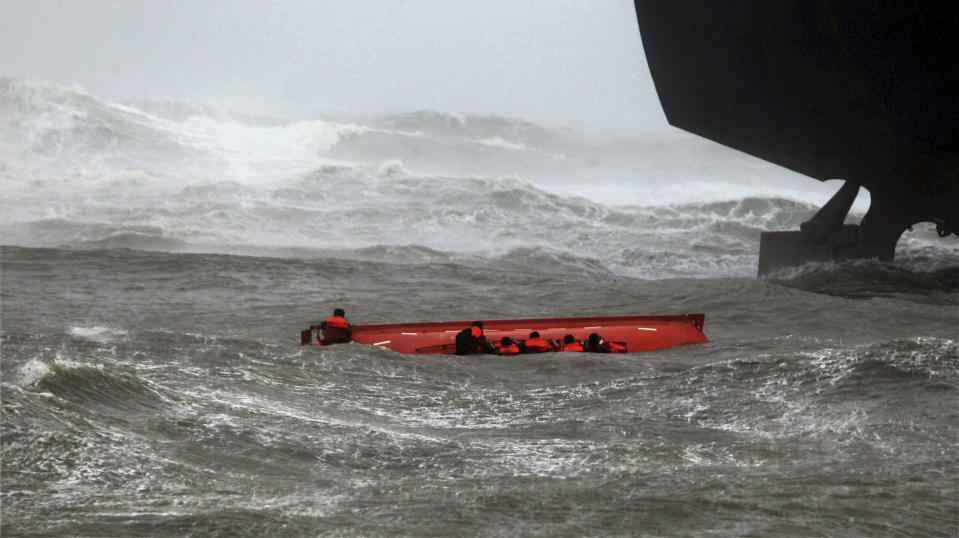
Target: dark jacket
x,y
467,344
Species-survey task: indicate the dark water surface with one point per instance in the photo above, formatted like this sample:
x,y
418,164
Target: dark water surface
x,y
159,259
166,394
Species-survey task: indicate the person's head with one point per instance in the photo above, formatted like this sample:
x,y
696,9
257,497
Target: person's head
x,y
568,339
534,334
593,340
506,341
476,329
339,312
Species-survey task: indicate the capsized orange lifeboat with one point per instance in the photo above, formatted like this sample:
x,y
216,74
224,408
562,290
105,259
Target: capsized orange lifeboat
x,y
629,333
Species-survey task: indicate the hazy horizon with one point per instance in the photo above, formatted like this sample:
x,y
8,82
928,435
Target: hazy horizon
x,y
570,63
573,64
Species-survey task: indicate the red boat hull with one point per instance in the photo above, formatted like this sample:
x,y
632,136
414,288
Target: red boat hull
x,y
637,333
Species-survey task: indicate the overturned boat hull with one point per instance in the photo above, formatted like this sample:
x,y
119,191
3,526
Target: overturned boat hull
x,y
635,332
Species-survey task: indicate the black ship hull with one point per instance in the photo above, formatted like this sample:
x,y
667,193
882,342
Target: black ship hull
x,y
865,92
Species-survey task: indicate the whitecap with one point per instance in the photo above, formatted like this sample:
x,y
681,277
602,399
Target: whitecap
x,y
32,372
98,334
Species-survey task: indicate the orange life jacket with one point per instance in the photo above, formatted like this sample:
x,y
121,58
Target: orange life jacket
x,y
335,330
572,346
337,321
537,344
617,347
511,349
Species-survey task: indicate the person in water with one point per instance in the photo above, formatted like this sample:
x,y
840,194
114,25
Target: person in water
x,y
336,330
596,344
570,344
470,341
535,343
508,347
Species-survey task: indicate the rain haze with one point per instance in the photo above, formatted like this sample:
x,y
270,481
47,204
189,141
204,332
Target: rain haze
x,y
562,63
558,64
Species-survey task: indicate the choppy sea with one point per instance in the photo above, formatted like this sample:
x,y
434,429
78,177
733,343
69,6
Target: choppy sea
x,y
159,259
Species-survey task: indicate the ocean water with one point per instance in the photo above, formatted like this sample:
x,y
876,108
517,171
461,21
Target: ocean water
x,y
159,259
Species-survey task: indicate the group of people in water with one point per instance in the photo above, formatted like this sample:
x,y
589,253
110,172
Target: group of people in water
x,y
472,340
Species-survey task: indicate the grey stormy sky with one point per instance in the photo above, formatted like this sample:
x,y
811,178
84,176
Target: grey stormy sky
x,y
557,62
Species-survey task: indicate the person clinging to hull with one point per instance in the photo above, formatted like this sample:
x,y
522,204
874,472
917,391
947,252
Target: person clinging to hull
x,y
596,344
535,344
570,344
471,341
508,347
336,330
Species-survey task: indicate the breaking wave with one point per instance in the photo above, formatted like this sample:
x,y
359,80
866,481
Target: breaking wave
x,y
79,172
96,388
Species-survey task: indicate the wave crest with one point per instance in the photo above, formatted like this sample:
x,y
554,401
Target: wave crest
x,y
97,388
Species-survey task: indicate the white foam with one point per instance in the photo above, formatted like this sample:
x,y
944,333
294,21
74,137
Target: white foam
x,y
98,334
195,178
497,142
32,372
